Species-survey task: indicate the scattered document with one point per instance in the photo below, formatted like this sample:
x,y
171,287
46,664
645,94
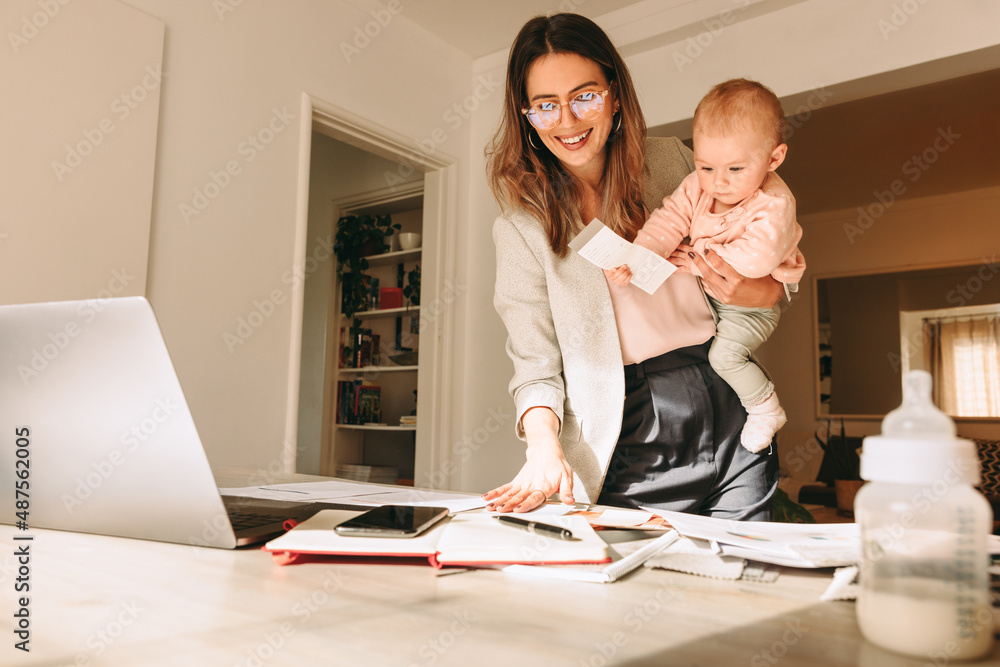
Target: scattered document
x,y
808,545
603,247
359,493
455,502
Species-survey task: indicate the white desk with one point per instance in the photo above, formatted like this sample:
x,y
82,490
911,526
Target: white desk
x,y
110,601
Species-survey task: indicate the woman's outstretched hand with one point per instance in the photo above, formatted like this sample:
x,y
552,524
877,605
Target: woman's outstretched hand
x,y
545,472
726,284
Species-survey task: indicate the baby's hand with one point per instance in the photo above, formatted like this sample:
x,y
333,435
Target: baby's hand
x,y
620,276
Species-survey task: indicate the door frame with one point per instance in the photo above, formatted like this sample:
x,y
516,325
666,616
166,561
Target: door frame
x,y
438,273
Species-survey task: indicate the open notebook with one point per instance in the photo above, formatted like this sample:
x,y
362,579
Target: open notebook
x,y
463,540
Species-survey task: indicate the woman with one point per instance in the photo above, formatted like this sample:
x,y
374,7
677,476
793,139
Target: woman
x,y
665,432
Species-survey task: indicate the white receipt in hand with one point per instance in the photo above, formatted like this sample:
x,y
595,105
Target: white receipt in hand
x,y
601,246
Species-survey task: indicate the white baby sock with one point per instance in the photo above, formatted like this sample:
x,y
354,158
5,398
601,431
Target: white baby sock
x,y
763,421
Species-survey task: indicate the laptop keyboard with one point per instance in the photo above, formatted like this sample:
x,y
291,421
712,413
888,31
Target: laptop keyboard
x,y
245,520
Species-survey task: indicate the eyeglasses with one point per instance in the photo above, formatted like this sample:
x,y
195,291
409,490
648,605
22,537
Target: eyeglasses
x,y
585,106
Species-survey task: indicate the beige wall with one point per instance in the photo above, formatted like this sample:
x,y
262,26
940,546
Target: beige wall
x,y
950,229
76,179
233,78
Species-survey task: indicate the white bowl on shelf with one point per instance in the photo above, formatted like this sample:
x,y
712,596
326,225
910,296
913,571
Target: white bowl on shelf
x,y
409,240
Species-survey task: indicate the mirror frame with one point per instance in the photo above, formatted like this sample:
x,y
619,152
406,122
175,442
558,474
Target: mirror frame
x,y
817,404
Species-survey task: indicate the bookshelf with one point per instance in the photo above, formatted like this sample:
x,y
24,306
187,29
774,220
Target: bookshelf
x,y
383,443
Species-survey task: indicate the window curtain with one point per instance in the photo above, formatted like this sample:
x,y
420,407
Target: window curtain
x,y
963,355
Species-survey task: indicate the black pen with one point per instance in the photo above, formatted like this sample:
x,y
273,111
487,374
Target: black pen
x,y
535,527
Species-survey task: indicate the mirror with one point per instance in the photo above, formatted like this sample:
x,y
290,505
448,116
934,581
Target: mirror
x,y
869,329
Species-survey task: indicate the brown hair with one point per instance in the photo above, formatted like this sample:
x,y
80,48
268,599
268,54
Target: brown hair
x,y
534,179
739,105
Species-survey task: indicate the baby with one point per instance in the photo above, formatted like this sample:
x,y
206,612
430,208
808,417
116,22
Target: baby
x,y
735,205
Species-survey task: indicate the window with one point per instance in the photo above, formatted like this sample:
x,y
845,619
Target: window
x,y
963,355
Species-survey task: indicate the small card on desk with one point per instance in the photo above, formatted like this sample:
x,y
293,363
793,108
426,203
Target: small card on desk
x,y
463,540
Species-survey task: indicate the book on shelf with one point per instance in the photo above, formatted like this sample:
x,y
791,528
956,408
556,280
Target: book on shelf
x,y
365,349
358,403
408,420
464,540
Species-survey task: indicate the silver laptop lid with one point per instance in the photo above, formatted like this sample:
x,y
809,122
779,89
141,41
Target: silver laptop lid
x,y
113,448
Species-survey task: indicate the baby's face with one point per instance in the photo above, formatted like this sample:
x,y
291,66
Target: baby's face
x,y
731,167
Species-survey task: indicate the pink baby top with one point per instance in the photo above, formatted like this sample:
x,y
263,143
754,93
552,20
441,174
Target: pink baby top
x,y
757,237
674,316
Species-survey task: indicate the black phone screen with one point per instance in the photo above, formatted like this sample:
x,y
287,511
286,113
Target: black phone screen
x,y
393,521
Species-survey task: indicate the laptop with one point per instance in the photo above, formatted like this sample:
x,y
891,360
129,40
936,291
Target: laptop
x,y
93,418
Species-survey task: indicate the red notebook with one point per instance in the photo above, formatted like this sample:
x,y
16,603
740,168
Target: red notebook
x,y
464,540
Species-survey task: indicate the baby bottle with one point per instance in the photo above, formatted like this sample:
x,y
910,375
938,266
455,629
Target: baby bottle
x,y
924,583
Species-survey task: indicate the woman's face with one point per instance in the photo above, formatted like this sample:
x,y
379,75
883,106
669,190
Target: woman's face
x,y
558,78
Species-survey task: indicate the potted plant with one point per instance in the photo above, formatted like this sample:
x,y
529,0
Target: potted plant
x,y
358,236
412,288
842,465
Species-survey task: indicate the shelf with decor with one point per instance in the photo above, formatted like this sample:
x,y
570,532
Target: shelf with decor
x,y
372,389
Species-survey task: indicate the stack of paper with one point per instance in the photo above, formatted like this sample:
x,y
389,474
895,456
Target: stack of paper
x,y
790,544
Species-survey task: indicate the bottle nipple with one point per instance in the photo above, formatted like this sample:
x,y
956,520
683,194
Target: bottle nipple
x,y
917,416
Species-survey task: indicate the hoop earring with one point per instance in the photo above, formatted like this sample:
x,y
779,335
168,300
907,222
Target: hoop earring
x,y
617,127
532,143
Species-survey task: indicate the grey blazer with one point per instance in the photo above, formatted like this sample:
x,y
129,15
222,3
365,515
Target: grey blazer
x,y
561,331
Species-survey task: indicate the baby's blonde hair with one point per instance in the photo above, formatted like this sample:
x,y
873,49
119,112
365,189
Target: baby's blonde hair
x,y
739,105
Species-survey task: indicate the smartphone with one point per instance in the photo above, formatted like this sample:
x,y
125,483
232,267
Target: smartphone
x,y
392,521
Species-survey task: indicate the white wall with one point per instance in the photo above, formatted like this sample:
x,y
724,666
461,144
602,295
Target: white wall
x,y
76,181
948,229
235,75
795,47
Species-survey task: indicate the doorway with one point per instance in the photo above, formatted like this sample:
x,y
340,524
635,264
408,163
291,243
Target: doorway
x,y
344,158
